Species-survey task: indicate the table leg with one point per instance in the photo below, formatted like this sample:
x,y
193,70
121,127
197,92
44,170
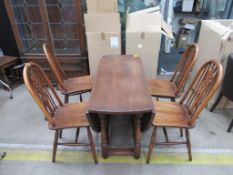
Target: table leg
x,y
107,129
104,136
137,146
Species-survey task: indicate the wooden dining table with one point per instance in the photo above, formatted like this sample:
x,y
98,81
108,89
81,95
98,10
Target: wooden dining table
x,y
120,89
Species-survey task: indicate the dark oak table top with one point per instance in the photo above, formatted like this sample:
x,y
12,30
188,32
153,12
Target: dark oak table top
x,y
120,87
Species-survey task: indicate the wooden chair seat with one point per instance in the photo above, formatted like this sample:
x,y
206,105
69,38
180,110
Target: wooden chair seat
x,y
67,86
183,114
78,84
162,88
58,115
70,116
171,114
174,87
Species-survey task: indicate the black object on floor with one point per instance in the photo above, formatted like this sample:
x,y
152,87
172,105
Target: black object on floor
x,y
2,155
227,86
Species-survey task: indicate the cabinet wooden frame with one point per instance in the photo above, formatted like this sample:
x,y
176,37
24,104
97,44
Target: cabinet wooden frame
x,y
80,49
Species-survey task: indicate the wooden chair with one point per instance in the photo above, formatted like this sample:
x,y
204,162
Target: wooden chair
x,y
173,88
183,114
59,116
67,86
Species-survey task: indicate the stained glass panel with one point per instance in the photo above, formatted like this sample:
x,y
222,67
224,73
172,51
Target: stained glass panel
x,y
63,23
29,23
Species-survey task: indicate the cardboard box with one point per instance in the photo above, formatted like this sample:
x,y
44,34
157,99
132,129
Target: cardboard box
x,y
101,6
155,9
143,38
187,5
215,42
103,33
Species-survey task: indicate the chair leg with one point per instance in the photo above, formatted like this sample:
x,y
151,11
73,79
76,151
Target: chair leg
x,y
188,144
151,145
165,134
60,133
76,135
80,97
66,99
181,132
230,127
55,145
173,99
92,145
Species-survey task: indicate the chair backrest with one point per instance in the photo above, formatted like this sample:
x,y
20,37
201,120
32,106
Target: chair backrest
x,y
204,85
184,67
57,70
41,90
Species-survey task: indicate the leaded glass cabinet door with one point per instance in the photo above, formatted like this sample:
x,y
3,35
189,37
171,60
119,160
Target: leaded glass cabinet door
x,y
64,25
29,24
57,22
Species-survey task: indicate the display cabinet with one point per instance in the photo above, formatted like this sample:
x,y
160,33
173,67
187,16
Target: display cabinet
x,y
59,23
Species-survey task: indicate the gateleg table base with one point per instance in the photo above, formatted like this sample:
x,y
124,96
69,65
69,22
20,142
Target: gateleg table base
x,y
106,150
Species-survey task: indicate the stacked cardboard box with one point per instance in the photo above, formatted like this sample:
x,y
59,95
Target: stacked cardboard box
x,y
215,42
103,30
101,6
143,38
143,34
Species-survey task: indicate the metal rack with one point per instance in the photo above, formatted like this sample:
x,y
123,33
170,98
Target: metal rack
x,y
8,87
